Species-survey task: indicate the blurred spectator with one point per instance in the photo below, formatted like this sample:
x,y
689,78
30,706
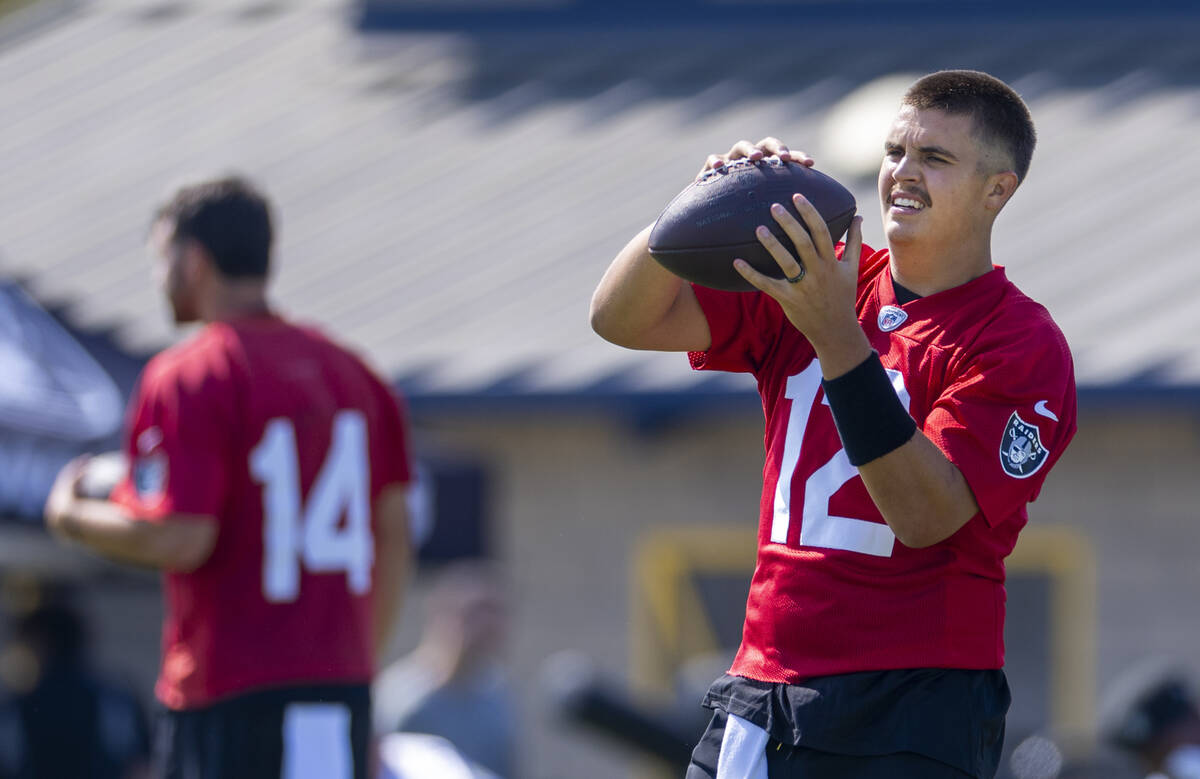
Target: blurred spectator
x,y
453,684
1152,712
63,720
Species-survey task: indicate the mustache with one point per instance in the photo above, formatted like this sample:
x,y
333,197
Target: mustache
x,y
921,194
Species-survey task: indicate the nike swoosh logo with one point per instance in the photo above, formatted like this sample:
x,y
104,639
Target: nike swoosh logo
x,y
1040,409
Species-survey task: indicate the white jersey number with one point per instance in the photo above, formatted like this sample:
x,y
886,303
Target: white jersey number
x,y
313,535
817,526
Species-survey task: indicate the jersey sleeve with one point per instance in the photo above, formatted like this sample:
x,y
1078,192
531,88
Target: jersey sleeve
x,y
1007,417
177,447
393,462
744,327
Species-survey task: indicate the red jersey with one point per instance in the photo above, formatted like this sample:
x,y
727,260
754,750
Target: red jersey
x,y
988,377
287,440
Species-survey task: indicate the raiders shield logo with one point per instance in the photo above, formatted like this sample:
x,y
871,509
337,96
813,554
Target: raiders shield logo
x,y
1021,450
891,317
150,477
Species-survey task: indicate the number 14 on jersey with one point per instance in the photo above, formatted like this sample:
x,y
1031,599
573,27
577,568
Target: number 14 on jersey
x,y
308,534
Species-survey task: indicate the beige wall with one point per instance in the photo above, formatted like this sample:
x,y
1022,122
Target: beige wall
x,y
1131,483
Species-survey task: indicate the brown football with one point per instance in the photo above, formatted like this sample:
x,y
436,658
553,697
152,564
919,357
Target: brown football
x,y
712,221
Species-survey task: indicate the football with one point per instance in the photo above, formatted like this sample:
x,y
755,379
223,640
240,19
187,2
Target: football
x,y
100,474
712,221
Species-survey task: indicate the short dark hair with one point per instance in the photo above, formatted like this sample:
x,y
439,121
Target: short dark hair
x,y
229,217
999,113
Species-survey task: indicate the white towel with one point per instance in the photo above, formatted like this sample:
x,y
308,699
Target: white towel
x,y
316,741
743,751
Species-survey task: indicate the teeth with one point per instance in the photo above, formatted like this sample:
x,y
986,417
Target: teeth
x,y
908,203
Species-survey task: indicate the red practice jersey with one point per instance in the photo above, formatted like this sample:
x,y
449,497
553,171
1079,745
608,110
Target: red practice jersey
x,y
287,440
988,377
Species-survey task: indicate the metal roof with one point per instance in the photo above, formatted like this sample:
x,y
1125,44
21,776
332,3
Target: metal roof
x,y
448,200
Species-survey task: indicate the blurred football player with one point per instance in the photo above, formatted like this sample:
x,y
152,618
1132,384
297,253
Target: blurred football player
x,y
267,478
915,400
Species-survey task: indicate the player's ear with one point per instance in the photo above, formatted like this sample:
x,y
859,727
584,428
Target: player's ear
x,y
1000,187
197,262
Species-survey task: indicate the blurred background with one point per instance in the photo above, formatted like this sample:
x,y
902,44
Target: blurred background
x,y
451,178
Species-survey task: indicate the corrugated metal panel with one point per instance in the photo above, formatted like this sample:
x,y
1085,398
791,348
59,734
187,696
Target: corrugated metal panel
x,y
448,201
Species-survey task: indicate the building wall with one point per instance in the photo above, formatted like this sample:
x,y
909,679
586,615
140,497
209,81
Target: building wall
x,y
1131,483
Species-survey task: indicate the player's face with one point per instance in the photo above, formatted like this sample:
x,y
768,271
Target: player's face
x,y
170,271
933,183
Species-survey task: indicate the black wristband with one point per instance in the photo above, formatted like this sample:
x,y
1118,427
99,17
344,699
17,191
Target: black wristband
x,y
868,413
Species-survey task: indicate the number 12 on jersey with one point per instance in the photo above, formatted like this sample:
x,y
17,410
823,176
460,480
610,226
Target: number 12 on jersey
x,y
296,534
817,527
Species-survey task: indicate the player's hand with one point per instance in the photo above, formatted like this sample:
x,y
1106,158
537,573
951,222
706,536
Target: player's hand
x,y
60,503
767,147
821,303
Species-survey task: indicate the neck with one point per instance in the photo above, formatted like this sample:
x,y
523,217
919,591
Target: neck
x,y
927,272
236,299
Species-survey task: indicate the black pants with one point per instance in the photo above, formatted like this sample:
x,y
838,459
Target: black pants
x,y
261,734
791,762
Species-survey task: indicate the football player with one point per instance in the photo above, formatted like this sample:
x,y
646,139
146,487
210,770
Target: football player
x,y
915,400
267,479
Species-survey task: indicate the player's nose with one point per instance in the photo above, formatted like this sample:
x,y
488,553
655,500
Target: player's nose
x,y
906,169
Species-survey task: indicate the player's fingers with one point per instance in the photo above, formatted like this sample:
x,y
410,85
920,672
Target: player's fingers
x,y
714,162
852,253
74,469
772,146
757,280
745,149
787,263
65,482
795,231
817,229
